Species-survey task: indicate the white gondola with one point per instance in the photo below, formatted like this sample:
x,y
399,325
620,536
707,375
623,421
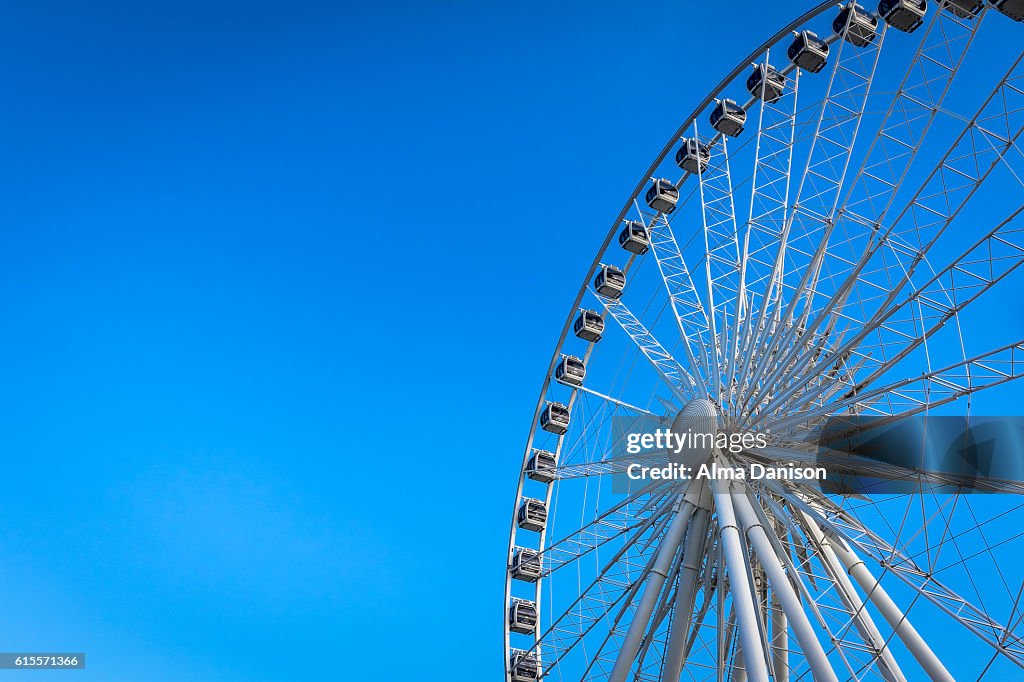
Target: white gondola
x,y
570,370
855,24
903,15
767,81
589,326
555,418
634,237
541,466
728,118
522,617
1011,8
610,281
808,51
525,564
662,196
532,515
524,666
965,9
693,156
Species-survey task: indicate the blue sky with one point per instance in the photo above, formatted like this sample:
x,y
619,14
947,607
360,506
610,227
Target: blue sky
x,y
280,283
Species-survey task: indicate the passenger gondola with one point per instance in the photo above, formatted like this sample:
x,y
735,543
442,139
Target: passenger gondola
x,y
728,118
1011,8
570,370
634,237
532,515
855,24
525,565
903,15
808,51
589,326
522,616
693,156
555,418
965,9
767,83
662,196
524,666
610,281
541,466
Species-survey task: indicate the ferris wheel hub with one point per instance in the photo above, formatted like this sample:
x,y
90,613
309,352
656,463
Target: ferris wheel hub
x,y
697,418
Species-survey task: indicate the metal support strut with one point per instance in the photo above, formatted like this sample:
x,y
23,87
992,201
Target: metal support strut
x,y
742,596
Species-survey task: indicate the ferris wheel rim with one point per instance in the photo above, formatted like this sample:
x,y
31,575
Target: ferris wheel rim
x,y
812,13
603,249
722,85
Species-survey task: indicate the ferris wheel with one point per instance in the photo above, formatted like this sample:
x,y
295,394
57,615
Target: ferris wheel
x,y
820,237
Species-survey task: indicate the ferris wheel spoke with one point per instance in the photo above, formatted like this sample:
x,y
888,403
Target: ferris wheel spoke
x,y
978,149
925,309
628,517
601,660
609,466
962,610
785,337
909,324
614,584
583,625
810,219
930,390
583,452
940,199
677,379
877,595
929,553
760,262
869,639
615,401
686,303
909,118
837,130
988,546
721,250
575,444
858,537
862,619
888,159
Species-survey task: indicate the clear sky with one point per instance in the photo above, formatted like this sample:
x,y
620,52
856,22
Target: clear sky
x,y
280,282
